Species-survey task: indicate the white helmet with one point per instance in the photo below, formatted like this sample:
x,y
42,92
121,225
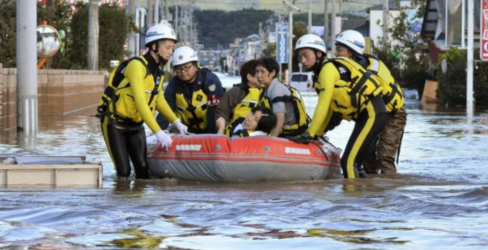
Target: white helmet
x,y
353,40
311,41
183,55
159,32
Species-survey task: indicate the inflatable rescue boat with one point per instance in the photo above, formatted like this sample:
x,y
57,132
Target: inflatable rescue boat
x,y
216,158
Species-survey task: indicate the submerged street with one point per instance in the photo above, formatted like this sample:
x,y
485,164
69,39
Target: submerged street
x,y
438,199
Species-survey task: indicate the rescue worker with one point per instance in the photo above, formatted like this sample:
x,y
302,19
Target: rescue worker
x,y
132,95
238,102
344,87
381,157
259,122
286,102
194,92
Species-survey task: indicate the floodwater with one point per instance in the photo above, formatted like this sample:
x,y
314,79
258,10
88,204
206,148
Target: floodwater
x,y
439,199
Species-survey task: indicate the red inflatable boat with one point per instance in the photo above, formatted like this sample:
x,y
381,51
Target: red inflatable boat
x,y
216,158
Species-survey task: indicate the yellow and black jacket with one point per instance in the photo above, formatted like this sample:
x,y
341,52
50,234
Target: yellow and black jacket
x,y
237,103
343,87
302,120
392,92
133,94
195,103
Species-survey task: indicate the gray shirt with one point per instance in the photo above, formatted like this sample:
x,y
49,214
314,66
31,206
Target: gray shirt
x,y
277,89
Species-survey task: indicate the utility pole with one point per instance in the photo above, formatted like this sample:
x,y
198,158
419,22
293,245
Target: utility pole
x,y
132,44
469,84
190,24
166,10
310,16
333,30
291,8
385,21
27,101
326,21
177,18
93,30
150,12
156,12
261,37
139,20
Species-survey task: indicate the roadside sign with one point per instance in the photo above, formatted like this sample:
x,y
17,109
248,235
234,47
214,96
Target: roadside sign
x,y
282,42
484,30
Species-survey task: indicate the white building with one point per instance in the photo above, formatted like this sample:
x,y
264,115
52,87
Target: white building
x,y
376,21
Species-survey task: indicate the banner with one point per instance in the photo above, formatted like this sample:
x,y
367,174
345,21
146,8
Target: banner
x,y
282,42
484,30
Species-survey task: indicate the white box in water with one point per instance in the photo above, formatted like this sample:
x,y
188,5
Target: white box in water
x,y
51,174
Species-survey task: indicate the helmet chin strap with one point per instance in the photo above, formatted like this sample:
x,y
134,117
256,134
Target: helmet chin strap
x,y
317,66
161,59
317,63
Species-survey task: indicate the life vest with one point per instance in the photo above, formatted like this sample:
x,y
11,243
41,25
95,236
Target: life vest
x,y
117,100
362,83
342,101
242,133
392,92
352,92
248,133
193,111
302,120
254,98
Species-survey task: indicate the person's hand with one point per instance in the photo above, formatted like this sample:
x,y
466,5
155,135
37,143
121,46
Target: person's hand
x,y
181,127
304,138
220,123
164,139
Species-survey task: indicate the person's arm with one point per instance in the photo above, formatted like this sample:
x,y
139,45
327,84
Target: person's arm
x,y
165,110
136,73
225,107
328,76
280,122
214,93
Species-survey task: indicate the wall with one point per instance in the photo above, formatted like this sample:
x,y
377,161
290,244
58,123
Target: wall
x,y
60,92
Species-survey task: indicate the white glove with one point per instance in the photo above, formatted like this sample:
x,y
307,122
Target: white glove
x,y
164,139
180,126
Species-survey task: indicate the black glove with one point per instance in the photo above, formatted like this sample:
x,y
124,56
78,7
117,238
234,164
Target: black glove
x,y
304,138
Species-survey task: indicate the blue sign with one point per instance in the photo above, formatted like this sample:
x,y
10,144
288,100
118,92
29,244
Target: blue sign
x,y
282,42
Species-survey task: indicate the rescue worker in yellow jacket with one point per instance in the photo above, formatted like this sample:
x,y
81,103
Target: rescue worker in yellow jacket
x,y
194,92
133,94
381,157
344,87
238,102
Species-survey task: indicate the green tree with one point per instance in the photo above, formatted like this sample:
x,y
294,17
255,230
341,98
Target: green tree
x,y
220,27
408,60
451,89
270,50
114,27
8,34
57,15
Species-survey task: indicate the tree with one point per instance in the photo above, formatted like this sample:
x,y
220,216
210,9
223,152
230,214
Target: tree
x,y
8,34
220,27
408,60
270,50
57,15
114,27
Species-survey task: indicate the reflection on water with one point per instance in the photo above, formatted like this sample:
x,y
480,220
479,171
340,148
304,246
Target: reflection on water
x,y
439,199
